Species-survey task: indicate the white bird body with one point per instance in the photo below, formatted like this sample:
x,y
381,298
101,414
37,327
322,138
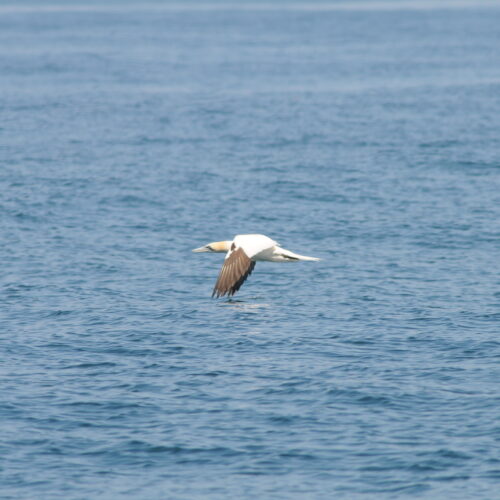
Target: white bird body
x,y
242,254
256,246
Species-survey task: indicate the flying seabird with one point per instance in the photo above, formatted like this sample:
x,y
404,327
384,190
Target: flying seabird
x,y
242,254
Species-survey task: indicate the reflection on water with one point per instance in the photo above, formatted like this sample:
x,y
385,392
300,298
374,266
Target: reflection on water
x,y
246,305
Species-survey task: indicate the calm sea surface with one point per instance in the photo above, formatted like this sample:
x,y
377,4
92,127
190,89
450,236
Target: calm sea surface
x,y
363,133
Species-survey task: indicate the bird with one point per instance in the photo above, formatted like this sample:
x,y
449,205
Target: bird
x,y
241,255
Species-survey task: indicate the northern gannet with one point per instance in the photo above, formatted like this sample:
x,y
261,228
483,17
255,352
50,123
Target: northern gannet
x,y
242,254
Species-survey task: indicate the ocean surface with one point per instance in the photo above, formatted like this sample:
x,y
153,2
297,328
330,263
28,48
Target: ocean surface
x,y
363,133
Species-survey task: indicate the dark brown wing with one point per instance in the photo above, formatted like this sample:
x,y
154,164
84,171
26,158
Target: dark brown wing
x,y
235,270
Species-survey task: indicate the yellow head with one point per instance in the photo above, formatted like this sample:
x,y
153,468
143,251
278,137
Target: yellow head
x,y
217,246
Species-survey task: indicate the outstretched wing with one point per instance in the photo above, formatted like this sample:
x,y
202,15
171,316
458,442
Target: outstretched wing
x,y
235,270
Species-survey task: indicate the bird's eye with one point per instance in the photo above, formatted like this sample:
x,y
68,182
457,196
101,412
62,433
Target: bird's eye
x,y
210,248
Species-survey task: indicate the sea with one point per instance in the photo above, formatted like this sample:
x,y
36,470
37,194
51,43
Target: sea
x,y
364,133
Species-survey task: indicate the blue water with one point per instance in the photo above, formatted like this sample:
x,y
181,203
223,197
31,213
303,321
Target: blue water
x,y
366,134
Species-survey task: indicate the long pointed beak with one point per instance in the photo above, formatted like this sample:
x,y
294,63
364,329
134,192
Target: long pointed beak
x,y
201,249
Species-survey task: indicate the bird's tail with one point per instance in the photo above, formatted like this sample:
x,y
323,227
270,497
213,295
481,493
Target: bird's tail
x,y
291,256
